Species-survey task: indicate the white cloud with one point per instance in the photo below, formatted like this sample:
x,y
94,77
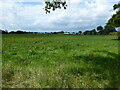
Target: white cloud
x,y
80,15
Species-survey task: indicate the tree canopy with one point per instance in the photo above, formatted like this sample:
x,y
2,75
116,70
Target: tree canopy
x,y
99,28
114,21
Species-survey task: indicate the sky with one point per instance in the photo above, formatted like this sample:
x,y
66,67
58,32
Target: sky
x,y
80,15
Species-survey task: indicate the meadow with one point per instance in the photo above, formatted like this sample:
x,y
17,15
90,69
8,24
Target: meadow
x,y
60,61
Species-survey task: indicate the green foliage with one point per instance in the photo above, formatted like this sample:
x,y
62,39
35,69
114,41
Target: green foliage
x,y
92,32
60,61
80,32
116,6
113,33
99,28
54,5
110,29
107,30
114,21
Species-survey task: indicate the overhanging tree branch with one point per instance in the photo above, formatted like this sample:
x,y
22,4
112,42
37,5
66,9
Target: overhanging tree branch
x,y
54,4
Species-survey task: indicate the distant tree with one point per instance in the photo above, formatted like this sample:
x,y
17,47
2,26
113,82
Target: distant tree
x,y
109,29
55,33
19,32
80,32
73,32
99,28
4,31
61,32
86,33
93,32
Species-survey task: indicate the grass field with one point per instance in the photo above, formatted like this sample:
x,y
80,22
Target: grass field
x,y
54,61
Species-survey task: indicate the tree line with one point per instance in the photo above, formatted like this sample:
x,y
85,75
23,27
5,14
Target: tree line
x,y
16,32
100,31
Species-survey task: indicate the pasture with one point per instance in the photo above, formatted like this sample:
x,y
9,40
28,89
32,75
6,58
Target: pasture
x,y
60,61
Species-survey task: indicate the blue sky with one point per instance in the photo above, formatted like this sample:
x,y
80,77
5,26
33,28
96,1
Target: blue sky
x,y
30,3
29,15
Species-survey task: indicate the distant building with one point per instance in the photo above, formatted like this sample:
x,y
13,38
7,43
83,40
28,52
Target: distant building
x,y
66,33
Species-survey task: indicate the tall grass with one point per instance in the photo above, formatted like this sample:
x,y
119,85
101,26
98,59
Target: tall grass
x,y
60,61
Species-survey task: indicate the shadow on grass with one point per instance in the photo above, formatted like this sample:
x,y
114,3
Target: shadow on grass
x,y
108,67
115,39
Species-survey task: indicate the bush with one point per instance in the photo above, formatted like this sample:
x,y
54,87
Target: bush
x,y
113,33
